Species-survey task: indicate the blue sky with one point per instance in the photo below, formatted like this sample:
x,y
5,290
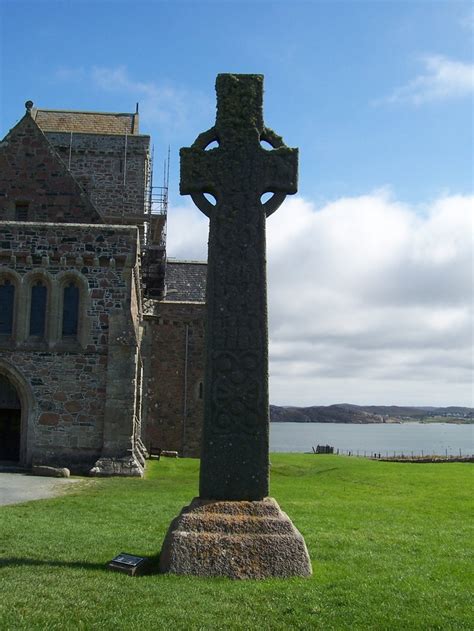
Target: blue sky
x,y
330,70
377,96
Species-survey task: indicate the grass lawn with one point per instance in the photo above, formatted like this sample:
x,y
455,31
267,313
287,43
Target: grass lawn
x,y
390,545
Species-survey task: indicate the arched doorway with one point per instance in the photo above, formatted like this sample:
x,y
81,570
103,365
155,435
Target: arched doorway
x,y
10,422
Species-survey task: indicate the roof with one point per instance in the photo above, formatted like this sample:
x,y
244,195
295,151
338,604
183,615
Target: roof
x,y
86,122
185,281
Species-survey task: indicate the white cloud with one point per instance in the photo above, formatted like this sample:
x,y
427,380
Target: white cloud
x,y
187,233
367,291
441,80
170,106
370,300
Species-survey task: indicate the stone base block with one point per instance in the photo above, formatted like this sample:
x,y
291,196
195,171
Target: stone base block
x,y
128,466
234,539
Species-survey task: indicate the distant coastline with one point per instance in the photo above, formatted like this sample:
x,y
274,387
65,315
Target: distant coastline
x,y
359,414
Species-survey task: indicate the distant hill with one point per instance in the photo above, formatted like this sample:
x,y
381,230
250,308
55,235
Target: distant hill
x,y
348,413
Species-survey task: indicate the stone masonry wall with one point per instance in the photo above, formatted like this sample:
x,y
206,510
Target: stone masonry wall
x,y
112,169
68,378
69,392
32,173
173,377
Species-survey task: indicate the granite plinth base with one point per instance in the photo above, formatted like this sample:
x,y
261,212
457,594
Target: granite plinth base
x,y
234,539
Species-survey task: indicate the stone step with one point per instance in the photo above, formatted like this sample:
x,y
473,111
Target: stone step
x,y
235,524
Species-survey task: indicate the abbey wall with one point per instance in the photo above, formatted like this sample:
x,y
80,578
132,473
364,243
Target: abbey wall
x,y
174,363
93,367
71,377
112,169
35,185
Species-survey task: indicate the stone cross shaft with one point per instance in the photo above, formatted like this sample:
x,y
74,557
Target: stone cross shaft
x,y
237,172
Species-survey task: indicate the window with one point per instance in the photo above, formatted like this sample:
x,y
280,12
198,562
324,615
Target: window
x,y
73,300
21,211
70,310
7,297
39,295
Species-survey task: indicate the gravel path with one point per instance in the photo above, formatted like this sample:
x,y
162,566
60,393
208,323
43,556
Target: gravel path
x,y
19,487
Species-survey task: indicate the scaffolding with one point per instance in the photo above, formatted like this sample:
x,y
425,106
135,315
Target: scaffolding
x,y
156,198
154,233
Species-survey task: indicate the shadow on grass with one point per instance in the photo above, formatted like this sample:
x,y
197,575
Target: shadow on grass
x,y
77,565
295,473
326,470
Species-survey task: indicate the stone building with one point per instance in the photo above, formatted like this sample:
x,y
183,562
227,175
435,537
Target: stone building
x,y
101,338
173,357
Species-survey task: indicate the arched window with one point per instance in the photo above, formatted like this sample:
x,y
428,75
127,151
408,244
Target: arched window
x,y
7,300
39,296
70,310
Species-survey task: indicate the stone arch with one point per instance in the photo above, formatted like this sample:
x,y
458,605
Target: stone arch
x,y
29,279
28,409
62,280
11,275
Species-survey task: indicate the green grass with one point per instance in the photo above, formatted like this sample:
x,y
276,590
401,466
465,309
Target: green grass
x,y
389,544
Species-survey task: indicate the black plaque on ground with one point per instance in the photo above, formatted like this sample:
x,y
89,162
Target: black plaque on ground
x,y
129,564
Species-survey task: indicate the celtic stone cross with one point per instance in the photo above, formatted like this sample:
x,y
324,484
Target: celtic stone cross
x,y
237,173
233,529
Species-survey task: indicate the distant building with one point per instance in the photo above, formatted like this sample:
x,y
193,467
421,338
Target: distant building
x,y
101,339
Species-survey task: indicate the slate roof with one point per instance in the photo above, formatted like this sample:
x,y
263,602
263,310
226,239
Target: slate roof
x,y
86,122
185,281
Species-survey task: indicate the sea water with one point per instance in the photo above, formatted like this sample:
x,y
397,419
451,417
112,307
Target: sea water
x,y
383,438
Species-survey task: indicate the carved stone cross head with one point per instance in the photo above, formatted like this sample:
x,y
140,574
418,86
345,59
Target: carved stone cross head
x,y
239,164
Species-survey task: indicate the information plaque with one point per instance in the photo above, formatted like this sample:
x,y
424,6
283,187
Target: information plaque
x,y
129,564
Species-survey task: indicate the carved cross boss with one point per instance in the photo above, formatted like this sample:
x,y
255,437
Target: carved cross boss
x,y
234,457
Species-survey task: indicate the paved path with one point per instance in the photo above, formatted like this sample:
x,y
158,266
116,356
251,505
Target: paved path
x,y
19,487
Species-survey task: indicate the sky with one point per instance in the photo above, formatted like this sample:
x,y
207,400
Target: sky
x,y
370,264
